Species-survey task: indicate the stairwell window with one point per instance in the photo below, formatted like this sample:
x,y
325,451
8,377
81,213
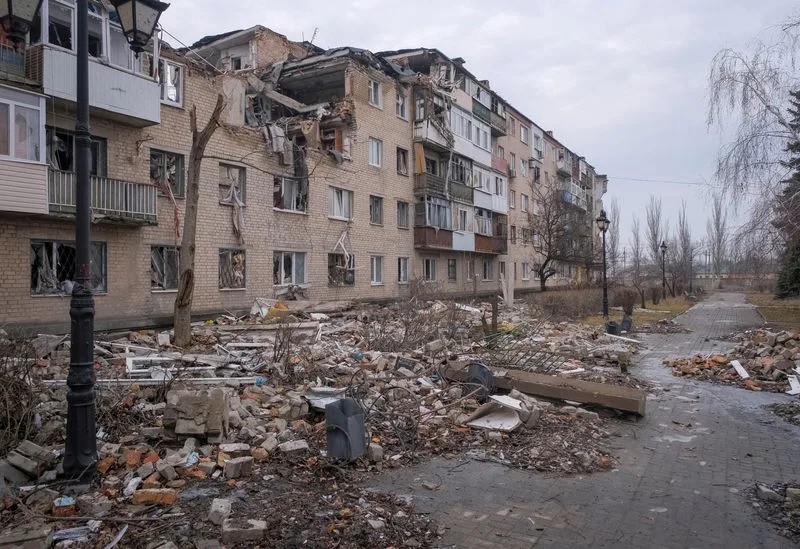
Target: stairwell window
x,y
523,202
487,270
512,199
523,134
340,203
402,161
402,270
526,271
429,268
376,94
376,270
402,214
452,273
401,105
375,152
376,210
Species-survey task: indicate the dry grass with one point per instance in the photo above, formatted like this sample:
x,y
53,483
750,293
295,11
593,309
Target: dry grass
x,y
666,308
780,313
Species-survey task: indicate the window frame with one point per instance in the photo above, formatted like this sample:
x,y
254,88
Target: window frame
x,y
406,223
375,207
402,167
403,264
16,99
242,183
98,247
452,270
332,190
488,269
181,170
523,202
349,266
297,192
375,88
231,251
376,270
429,269
512,199
162,84
176,250
375,147
401,104
524,133
279,255
526,270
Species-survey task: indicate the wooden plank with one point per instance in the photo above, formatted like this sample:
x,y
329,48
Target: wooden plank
x,y
269,327
604,394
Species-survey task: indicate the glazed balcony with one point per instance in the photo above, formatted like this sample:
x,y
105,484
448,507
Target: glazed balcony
x,y
433,238
491,244
498,124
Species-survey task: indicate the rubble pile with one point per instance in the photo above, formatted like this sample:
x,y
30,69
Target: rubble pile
x,y
761,361
789,411
200,441
663,326
779,504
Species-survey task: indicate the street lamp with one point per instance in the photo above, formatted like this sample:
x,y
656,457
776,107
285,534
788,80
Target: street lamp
x,y
80,452
663,270
602,224
17,16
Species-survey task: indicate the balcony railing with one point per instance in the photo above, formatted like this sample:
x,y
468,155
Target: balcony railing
x,y
113,198
433,238
500,164
460,192
427,132
481,111
498,124
491,244
12,61
574,199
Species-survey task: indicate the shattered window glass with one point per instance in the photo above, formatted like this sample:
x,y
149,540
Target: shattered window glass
x,y
171,77
289,268
164,267
231,183
341,270
166,169
231,269
53,267
290,194
376,210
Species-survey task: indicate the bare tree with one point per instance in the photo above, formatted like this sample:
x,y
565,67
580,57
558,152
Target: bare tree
x,y
683,246
654,229
613,237
183,300
717,234
637,271
550,229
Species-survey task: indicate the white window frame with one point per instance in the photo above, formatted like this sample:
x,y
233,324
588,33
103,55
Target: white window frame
x,y
401,104
290,190
429,268
526,271
402,168
180,87
375,92
523,167
15,99
523,202
512,199
403,264
302,256
405,224
499,186
487,270
524,133
378,201
376,270
345,211
375,152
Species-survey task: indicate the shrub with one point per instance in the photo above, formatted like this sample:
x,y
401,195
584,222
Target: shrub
x,y
627,298
655,294
563,304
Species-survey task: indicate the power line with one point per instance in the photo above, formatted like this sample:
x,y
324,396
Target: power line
x,y
699,183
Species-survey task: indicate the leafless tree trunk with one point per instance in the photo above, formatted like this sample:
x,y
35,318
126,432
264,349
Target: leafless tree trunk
x,y
717,234
683,246
183,301
637,264
613,237
549,229
654,230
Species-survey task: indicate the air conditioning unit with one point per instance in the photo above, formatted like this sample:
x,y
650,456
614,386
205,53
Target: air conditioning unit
x,y
512,172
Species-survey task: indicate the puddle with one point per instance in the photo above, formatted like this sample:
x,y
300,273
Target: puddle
x,y
658,510
675,438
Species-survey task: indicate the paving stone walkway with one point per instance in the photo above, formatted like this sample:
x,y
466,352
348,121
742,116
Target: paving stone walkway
x,y
676,486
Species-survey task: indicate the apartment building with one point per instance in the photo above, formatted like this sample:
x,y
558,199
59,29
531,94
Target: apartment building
x,y
334,174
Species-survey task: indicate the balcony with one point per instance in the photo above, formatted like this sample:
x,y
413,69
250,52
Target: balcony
x,y
12,61
114,93
461,192
564,167
498,124
433,238
500,164
427,132
120,200
481,112
429,184
574,199
491,244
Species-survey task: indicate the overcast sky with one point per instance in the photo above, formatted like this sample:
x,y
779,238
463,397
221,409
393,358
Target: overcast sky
x,y
620,82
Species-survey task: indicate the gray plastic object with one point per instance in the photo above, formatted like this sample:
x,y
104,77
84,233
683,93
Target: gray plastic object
x,y
345,432
479,374
612,328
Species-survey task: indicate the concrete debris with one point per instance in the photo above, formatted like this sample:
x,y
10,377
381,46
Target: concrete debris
x,y
761,361
220,511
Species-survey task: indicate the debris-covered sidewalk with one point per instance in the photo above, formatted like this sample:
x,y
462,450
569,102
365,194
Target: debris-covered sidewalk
x,y
761,361
289,408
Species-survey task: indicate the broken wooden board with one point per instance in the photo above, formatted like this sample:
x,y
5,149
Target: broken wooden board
x,y
269,327
739,369
604,394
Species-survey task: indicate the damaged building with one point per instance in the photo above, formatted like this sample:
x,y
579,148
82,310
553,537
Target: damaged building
x,y
334,174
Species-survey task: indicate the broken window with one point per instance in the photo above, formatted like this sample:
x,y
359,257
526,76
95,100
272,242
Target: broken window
x,y
53,267
402,161
170,75
232,269
288,268
401,105
340,203
376,94
341,270
61,151
438,213
231,183
402,270
375,153
376,210
376,269
164,267
290,194
20,130
431,166
166,168
95,29
512,233
402,214
59,26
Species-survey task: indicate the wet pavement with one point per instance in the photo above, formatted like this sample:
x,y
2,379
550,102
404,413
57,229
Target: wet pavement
x,y
682,470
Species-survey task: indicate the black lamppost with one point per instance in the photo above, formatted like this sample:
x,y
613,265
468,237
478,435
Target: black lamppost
x,y
602,224
138,19
663,270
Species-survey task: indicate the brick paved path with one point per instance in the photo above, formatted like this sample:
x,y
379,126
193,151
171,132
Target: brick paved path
x,y
675,487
